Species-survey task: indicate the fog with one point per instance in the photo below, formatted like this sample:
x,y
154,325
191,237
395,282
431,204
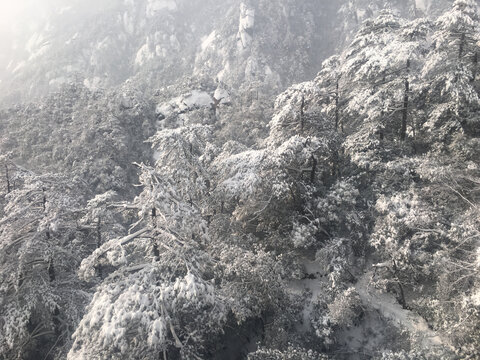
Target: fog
x,y
20,19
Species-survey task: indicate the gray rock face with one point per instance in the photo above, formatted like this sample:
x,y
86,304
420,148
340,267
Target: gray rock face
x,y
243,44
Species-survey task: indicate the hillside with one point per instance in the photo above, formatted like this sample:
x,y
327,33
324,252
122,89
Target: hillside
x,y
259,180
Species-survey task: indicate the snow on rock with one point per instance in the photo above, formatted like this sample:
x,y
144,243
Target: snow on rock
x,y
223,95
475,298
158,45
144,54
37,45
93,83
17,68
72,39
154,6
57,82
197,98
35,41
223,74
245,28
207,41
128,22
189,101
252,69
423,5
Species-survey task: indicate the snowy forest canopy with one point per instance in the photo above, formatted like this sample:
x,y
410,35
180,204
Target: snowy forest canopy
x,y
261,180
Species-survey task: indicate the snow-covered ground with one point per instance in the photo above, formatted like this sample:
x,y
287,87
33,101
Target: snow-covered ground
x,y
390,309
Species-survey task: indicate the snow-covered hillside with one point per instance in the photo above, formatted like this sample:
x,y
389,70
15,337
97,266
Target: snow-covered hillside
x,y
240,180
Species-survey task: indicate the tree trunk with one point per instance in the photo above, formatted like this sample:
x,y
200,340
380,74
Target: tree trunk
x,y
154,216
302,121
314,168
8,179
475,65
337,113
403,131
51,271
155,250
403,302
382,115
44,200
99,233
461,46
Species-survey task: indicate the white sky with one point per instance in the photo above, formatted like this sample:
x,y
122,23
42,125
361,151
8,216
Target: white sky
x,y
17,19
10,11
20,19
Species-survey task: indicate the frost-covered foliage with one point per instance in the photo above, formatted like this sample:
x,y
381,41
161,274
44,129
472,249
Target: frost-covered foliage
x,y
162,290
95,135
146,312
42,243
339,221
291,353
345,309
450,74
178,157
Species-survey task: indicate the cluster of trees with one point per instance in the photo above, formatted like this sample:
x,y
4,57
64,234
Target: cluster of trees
x,y
366,181
95,135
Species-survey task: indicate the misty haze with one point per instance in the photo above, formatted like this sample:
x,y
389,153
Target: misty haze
x,y
239,179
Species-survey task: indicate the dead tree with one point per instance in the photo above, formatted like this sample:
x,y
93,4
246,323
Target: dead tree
x,y
216,104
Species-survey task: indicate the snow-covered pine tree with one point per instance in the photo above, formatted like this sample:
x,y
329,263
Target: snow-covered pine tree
x,y
161,288
42,244
450,75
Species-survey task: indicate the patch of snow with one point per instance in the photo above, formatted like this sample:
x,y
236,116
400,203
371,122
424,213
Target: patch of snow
x,y
207,41
154,6
58,81
223,95
41,51
164,109
198,98
92,84
128,23
313,286
361,14
34,42
390,309
221,76
245,27
251,69
73,38
144,55
20,65
174,43
422,4
194,99
156,155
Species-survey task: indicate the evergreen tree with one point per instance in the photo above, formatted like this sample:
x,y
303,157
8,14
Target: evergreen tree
x,y
42,243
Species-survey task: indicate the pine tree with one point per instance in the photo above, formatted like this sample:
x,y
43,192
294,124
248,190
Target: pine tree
x,y
449,75
41,246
